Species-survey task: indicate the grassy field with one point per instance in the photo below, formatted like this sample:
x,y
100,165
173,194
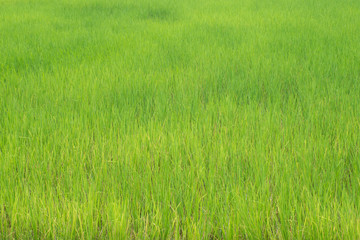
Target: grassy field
x,y
160,119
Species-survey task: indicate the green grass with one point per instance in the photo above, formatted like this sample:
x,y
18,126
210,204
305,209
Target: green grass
x,y
159,119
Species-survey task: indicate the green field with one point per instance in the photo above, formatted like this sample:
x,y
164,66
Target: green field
x,y
164,119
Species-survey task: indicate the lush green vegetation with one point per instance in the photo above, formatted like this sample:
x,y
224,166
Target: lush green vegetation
x,y
157,119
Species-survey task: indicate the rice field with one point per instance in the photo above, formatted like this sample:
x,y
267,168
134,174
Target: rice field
x,y
164,119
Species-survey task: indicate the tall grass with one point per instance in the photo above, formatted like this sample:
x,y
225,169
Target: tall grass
x,y
179,119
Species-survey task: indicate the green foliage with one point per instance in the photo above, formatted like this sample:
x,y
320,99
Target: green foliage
x,y
179,119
